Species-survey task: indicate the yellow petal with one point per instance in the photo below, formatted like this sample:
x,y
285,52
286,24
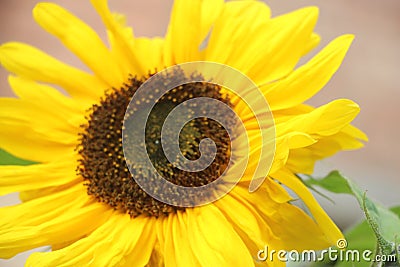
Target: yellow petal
x,y
169,250
109,245
287,143
302,160
66,111
21,178
323,121
150,52
341,140
177,249
294,229
299,139
355,132
235,29
81,40
64,216
276,192
282,146
44,116
210,11
244,220
282,221
122,41
265,49
328,227
63,114
263,204
28,195
283,115
213,239
29,62
250,163
285,41
307,80
161,230
47,97
182,235
139,252
314,41
156,258
187,29
42,209
281,154
22,142
14,110
34,134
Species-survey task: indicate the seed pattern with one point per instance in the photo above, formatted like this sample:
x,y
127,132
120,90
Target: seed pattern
x,y
102,164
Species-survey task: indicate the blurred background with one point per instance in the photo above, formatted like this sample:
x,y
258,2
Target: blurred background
x,y
369,75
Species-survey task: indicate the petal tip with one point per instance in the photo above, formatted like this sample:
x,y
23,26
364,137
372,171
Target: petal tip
x,y
312,11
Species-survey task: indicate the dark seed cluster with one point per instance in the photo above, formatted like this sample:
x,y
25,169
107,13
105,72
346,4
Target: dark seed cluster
x,y
102,164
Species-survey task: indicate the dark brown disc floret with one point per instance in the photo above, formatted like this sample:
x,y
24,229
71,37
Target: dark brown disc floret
x,y
107,175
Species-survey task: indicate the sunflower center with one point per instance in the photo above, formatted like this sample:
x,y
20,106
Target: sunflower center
x,y
110,179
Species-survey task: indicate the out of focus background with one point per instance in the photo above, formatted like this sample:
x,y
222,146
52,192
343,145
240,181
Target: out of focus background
x,y
369,75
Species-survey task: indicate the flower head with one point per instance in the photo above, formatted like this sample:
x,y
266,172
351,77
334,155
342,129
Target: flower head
x,y
81,197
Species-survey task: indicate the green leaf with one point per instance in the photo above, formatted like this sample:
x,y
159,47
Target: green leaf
x,y
360,238
333,182
381,225
8,159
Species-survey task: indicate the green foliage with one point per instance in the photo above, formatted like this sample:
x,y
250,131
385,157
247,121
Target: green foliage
x,y
8,159
379,232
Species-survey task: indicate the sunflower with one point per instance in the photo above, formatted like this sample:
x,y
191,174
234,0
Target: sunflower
x,y
80,197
